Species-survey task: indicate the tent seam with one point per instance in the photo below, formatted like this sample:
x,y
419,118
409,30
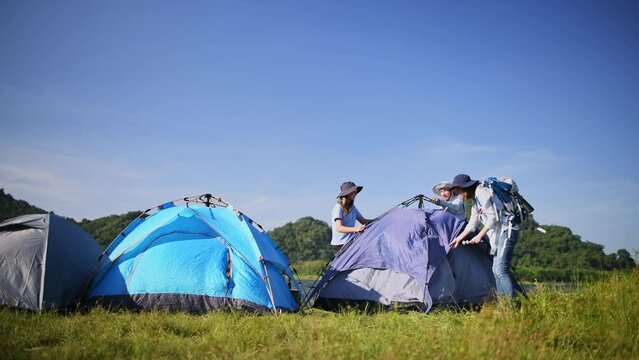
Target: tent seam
x,y
44,261
269,289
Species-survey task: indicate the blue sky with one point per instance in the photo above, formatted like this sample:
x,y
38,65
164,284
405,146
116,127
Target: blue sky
x,y
107,107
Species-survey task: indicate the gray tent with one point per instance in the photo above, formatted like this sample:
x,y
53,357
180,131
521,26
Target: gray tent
x,y
45,262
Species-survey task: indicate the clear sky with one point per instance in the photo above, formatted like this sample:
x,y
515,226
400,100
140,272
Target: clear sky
x,y
109,106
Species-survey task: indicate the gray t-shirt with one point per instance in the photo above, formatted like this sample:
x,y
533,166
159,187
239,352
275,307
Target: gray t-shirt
x,y
348,220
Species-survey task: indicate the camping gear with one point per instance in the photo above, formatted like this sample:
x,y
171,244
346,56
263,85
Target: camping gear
x,y
403,259
508,193
200,256
45,262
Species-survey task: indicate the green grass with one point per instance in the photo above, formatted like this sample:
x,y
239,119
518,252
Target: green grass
x,y
310,269
598,320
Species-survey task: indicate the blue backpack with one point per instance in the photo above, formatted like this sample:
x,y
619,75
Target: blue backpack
x,y
508,193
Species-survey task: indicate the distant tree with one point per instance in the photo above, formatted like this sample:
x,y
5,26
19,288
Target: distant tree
x,y
624,260
304,239
529,223
559,248
106,229
10,207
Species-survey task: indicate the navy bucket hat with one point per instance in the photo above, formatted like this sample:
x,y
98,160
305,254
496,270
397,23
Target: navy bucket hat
x,y
348,187
464,181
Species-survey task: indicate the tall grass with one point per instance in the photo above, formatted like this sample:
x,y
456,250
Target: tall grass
x,y
598,320
310,269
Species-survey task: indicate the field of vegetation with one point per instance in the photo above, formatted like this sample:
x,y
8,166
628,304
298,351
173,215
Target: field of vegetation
x,y
598,320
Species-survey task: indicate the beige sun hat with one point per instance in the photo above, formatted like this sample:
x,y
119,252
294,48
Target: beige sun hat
x,y
446,184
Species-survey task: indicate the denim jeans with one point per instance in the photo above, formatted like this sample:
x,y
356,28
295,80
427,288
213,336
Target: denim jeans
x,y
501,263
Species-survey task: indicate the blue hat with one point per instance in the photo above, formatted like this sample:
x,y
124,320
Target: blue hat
x,y
463,181
348,187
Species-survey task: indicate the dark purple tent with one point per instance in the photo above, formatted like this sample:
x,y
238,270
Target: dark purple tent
x,y
403,258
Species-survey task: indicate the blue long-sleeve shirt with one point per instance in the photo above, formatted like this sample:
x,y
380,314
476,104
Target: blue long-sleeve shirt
x,y
455,205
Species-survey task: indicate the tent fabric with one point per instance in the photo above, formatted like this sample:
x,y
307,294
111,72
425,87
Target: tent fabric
x,y
464,278
380,285
196,259
45,262
404,258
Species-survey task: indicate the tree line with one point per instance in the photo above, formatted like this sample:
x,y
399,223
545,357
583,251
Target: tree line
x,y
103,229
556,255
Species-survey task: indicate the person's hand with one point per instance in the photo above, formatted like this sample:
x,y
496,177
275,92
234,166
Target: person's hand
x,y
360,228
433,200
455,243
475,240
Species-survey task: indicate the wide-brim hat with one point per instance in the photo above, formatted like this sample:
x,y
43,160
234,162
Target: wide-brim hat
x,y
446,184
349,187
464,181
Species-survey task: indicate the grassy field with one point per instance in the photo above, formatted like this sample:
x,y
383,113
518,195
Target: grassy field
x,y
599,320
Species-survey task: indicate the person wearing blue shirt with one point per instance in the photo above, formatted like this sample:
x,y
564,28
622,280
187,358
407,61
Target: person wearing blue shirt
x,y
450,200
345,215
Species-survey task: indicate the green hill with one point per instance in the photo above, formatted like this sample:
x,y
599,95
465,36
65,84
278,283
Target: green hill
x,y
10,207
560,248
105,229
304,239
557,255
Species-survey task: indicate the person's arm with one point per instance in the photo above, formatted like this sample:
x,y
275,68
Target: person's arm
x,y
489,215
455,206
347,229
477,238
470,227
362,219
456,241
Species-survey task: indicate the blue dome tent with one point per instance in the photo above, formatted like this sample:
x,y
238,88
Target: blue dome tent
x,y
201,256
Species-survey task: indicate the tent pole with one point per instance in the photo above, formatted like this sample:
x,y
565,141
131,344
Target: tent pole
x,y
268,283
